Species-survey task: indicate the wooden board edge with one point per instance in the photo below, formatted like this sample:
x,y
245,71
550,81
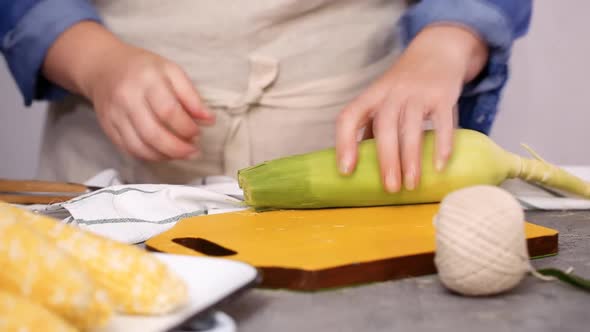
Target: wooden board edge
x,y
375,271
543,245
349,275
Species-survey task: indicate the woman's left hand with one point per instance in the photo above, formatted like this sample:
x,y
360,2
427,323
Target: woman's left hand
x,y
424,83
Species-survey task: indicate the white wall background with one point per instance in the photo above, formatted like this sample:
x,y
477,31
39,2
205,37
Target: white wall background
x,y
546,105
20,130
547,102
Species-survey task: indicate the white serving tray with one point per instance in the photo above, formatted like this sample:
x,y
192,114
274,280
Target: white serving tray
x,y
210,280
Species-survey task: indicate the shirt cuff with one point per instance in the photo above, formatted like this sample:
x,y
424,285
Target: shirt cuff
x,y
26,46
480,16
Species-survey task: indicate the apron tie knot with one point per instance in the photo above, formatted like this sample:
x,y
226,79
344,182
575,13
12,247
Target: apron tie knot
x,y
263,73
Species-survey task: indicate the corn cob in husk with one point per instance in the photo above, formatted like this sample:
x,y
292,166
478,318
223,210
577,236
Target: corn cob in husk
x,y
312,180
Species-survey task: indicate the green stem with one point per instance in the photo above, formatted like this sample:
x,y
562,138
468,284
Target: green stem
x,y
569,278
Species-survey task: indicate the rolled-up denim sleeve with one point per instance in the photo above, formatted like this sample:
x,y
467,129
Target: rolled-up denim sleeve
x,y
499,23
25,44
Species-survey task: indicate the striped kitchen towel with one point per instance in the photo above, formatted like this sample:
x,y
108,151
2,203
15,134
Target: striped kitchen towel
x,y
135,213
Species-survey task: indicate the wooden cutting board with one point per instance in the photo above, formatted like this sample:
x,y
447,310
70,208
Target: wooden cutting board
x,y
316,249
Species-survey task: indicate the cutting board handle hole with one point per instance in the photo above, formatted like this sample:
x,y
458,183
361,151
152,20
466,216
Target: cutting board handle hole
x,y
204,247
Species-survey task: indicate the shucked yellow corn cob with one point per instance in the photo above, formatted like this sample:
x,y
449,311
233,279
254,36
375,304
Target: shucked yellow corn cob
x,y
135,280
19,314
31,266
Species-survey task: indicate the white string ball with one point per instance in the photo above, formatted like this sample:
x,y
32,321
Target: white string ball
x,y
481,247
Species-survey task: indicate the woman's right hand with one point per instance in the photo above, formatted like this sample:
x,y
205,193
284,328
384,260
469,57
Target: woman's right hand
x,y
145,104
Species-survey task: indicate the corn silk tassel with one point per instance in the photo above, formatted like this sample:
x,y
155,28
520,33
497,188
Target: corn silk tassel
x,y
312,180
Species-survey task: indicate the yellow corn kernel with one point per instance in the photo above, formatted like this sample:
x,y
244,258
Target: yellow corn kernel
x,y
19,314
37,269
135,280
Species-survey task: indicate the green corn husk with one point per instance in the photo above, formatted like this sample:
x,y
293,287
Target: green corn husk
x,y
312,180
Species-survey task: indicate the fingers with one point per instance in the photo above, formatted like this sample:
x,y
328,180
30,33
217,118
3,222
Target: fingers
x,y
155,135
386,124
123,135
162,101
149,107
349,122
188,96
442,119
134,144
398,131
411,136
113,133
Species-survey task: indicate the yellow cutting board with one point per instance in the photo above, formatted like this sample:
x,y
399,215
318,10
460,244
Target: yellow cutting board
x,y
315,249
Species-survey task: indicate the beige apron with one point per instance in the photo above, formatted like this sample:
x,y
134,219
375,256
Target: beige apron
x,y
276,73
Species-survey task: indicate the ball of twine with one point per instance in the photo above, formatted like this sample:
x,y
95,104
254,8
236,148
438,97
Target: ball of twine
x,y
481,246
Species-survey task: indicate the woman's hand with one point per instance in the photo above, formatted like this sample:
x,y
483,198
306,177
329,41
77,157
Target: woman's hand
x,y
145,104
148,106
425,83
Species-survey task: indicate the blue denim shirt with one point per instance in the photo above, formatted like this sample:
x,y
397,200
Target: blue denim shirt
x,y
29,27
